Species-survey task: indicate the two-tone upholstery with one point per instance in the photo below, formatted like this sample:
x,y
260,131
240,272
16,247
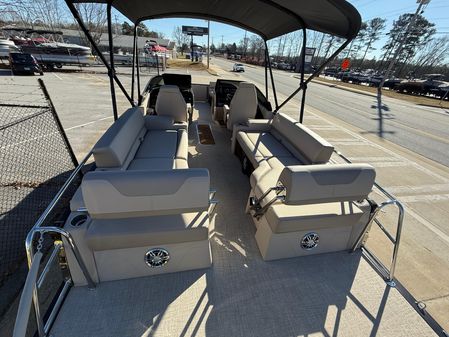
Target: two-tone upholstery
x,y
142,197
170,102
243,105
127,194
137,142
296,192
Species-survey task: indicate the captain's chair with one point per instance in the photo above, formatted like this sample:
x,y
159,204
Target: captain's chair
x,y
243,105
171,103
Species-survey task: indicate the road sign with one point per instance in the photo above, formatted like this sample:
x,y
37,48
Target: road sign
x,y
345,64
195,31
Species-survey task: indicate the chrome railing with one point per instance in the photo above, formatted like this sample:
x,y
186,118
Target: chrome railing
x,y
387,273
41,229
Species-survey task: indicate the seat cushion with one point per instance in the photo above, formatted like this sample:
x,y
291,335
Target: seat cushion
x,y
147,231
287,218
158,144
261,145
312,146
115,146
151,164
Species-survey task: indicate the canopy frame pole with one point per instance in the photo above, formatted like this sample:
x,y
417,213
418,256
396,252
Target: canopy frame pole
x,y
139,95
267,55
133,62
86,32
320,68
111,60
303,64
266,76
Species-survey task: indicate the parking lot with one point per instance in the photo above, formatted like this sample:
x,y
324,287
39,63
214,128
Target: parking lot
x,y
82,100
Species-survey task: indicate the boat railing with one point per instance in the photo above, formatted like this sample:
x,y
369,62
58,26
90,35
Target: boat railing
x,y
387,273
33,284
36,235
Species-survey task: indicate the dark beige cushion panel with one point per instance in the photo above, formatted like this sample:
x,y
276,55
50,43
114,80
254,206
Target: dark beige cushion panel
x,y
148,231
286,218
309,184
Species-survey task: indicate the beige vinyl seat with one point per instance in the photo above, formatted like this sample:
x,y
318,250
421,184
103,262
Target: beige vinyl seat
x,y
296,193
137,142
322,209
243,105
171,103
142,200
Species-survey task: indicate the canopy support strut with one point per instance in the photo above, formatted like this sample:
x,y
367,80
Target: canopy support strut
x,y
304,84
303,64
111,61
133,62
86,32
266,76
267,56
139,96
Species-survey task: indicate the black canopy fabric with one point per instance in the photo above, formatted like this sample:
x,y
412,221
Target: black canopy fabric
x,y
267,18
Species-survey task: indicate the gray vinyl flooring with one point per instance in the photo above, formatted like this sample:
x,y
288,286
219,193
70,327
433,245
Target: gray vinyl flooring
x,y
241,295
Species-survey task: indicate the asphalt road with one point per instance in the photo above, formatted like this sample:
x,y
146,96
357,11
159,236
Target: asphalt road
x,y
423,130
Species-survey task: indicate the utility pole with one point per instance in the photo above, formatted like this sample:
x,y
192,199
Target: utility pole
x,y
401,45
208,47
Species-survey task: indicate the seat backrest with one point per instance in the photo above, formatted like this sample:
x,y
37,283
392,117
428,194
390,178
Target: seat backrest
x,y
125,194
314,184
170,102
243,105
114,147
313,147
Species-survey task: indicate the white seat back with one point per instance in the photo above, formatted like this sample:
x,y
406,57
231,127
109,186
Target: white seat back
x,y
170,102
243,105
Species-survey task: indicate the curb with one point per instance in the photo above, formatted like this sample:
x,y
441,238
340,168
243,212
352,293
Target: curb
x,y
330,85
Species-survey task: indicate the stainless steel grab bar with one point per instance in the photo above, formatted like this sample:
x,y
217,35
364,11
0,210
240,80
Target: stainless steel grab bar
x,y
373,218
39,228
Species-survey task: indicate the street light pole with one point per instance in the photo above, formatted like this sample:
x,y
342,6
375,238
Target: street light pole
x,y
208,48
401,45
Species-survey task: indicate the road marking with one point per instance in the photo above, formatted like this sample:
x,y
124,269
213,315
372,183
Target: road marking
x,y
57,76
425,197
428,224
88,123
419,189
372,159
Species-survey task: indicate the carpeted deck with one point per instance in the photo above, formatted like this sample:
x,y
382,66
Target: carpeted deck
x,y
241,295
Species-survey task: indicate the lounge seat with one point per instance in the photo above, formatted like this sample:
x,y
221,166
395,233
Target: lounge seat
x,y
326,202
141,199
296,192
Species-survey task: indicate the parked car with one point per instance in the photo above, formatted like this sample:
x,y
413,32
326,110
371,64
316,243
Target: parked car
x,y
330,72
24,63
238,67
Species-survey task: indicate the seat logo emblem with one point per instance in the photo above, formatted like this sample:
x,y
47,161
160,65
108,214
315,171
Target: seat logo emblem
x,y
310,241
157,257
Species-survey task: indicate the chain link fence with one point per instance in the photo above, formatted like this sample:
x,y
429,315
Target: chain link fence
x,y
35,161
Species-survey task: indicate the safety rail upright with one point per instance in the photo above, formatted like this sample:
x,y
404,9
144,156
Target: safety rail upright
x,y
387,273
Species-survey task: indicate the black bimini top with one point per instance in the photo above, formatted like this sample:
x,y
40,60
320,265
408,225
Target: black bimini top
x,y
267,18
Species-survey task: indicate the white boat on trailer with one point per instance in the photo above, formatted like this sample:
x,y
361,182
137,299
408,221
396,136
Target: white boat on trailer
x,y
145,249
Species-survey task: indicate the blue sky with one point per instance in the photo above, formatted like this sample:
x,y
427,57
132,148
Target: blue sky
x,y
437,12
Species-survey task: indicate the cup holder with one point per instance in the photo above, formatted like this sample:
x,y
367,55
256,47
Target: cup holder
x,y
78,220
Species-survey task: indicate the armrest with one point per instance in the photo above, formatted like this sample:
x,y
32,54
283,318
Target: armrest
x,y
257,124
314,184
226,110
124,194
156,122
261,125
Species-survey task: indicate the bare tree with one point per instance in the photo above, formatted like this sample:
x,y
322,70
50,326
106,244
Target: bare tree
x,y
94,17
181,39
